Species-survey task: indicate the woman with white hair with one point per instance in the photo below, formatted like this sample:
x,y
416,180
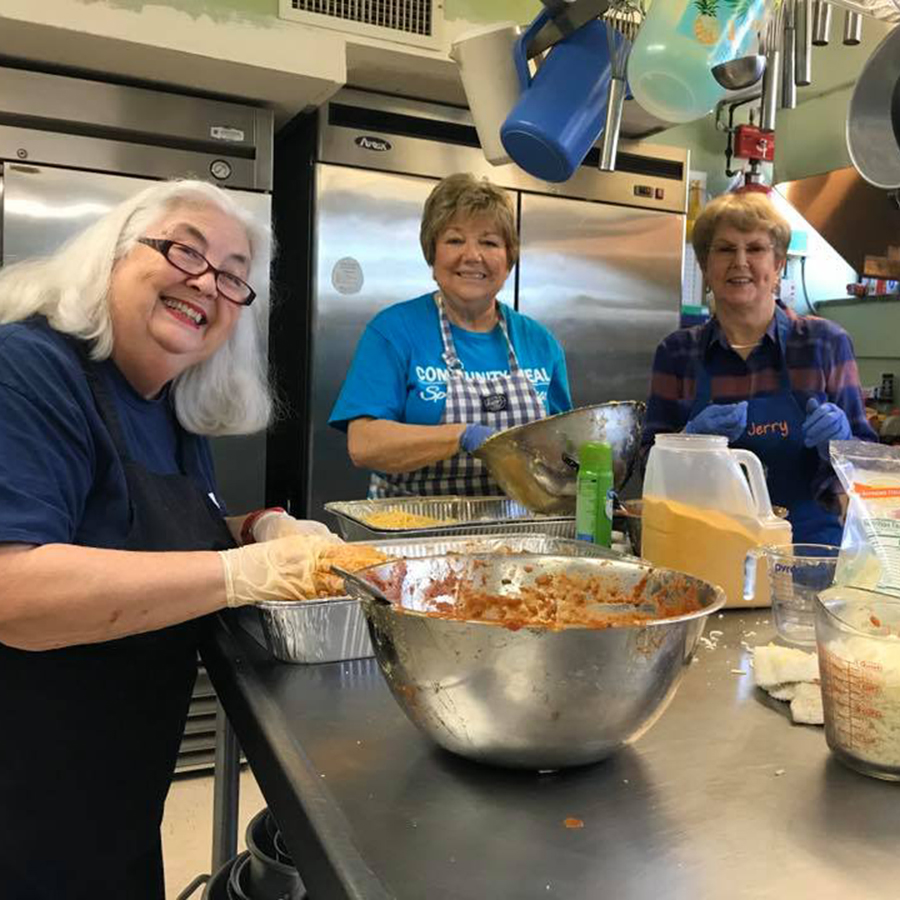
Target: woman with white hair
x,y
118,356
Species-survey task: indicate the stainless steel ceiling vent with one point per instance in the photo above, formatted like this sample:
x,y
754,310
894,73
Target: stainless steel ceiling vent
x,y
407,21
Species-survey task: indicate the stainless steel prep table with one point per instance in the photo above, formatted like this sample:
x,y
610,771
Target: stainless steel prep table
x,y
723,797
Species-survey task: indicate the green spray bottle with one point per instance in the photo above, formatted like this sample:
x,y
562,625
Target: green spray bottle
x,y
594,494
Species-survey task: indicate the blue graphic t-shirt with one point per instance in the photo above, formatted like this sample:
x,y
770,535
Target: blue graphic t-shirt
x,y
398,372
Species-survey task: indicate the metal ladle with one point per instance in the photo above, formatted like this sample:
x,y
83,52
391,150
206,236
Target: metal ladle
x,y
740,73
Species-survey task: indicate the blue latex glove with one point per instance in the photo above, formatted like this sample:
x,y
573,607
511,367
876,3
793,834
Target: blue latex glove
x,y
824,423
728,419
474,436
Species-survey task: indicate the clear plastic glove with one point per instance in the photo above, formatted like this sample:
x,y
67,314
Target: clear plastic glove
x,y
824,422
275,524
728,419
280,569
474,436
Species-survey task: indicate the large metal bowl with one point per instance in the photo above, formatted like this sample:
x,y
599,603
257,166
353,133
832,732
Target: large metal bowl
x,y
537,464
533,697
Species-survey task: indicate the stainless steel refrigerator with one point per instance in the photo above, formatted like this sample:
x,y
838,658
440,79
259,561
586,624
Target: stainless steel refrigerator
x,y
600,263
70,150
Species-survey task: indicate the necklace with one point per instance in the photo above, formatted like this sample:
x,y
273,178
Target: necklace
x,y
744,346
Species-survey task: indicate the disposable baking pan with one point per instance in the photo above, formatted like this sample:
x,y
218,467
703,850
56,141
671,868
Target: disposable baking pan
x,y
332,630
461,515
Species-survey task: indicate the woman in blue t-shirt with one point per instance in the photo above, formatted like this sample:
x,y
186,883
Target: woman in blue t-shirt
x,y
118,355
434,377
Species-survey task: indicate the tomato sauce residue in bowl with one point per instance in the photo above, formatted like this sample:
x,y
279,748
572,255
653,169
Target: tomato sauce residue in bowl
x,y
550,601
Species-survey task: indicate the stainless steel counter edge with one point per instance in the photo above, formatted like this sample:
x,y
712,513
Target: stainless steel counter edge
x,y
721,798
318,838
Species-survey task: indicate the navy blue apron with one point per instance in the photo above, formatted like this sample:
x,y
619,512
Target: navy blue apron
x,y
775,434
91,732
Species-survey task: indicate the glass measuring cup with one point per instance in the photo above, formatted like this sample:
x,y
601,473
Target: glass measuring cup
x,y
797,573
858,637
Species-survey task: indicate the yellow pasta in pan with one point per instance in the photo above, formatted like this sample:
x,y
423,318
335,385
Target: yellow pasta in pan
x,y
397,518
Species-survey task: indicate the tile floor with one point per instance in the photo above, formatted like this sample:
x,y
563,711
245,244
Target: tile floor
x,y
187,826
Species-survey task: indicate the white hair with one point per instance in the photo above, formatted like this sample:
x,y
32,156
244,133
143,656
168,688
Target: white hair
x,y
227,393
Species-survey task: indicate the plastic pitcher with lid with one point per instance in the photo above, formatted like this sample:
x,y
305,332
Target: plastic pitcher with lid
x,y
704,506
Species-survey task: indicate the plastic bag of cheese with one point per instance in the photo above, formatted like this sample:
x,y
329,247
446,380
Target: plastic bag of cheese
x,y
870,548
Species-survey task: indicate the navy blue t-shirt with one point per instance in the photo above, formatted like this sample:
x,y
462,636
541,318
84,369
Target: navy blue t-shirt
x,y
61,480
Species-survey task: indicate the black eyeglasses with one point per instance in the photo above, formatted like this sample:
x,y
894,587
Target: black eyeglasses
x,y
189,261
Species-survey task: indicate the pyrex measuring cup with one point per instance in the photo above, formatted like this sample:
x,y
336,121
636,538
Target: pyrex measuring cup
x,y
797,573
858,637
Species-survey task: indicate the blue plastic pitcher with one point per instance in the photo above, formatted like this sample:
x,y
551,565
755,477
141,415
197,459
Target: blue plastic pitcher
x,y
562,110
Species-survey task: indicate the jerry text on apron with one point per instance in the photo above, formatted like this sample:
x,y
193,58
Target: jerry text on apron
x,y
775,434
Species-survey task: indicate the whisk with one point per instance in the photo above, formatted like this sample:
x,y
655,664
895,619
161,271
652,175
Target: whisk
x,y
623,19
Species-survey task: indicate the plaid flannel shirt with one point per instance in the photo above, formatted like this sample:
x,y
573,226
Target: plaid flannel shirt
x,y
820,362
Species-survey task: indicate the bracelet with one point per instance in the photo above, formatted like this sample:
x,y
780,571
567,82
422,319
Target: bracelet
x,y
250,521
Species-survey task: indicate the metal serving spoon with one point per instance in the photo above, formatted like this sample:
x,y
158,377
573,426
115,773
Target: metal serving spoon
x,y
361,584
740,73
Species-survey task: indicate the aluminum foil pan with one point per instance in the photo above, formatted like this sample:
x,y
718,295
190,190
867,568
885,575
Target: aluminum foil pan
x,y
333,630
463,516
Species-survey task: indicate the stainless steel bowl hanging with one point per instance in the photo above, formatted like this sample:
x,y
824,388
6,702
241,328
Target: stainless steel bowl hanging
x,y
873,120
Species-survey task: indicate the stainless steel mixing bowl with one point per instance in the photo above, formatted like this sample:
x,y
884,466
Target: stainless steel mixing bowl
x,y
537,464
533,698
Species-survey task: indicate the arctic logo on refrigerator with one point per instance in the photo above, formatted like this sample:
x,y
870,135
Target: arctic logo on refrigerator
x,y
372,143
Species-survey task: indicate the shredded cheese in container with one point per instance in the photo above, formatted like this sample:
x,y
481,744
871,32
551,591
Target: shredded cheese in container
x,y
864,678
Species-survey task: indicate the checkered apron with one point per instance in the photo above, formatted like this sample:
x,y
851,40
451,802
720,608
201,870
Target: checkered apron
x,y
502,402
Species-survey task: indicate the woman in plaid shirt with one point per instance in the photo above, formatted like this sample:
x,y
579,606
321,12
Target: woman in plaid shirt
x,y
778,384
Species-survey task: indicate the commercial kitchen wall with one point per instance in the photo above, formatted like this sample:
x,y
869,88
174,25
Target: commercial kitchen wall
x,y
242,49
809,139
874,326
472,10
239,48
